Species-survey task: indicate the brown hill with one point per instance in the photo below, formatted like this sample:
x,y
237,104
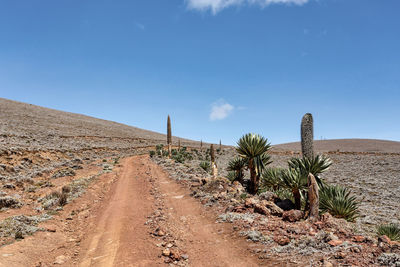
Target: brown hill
x,y
26,126
346,145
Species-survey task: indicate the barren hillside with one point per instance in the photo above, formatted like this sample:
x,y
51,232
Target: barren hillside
x,y
26,126
346,145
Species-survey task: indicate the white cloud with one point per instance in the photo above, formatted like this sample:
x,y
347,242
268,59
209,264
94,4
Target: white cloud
x,y
140,26
220,110
217,5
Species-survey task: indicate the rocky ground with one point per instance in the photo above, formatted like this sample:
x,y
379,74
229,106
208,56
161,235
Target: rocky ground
x,y
330,241
58,168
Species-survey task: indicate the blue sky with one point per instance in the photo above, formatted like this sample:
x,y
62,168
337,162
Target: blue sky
x,y
220,68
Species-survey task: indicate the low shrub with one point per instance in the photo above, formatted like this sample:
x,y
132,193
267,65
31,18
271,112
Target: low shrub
x,y
205,165
63,199
391,230
179,158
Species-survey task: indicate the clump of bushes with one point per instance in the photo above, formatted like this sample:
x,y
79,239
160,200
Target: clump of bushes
x,y
391,230
9,202
63,173
292,184
53,199
21,225
179,155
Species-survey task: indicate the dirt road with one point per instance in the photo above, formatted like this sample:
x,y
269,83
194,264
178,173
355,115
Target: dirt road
x,y
119,236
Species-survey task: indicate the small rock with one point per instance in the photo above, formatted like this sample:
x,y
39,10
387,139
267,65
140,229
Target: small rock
x,y
327,264
268,196
274,209
175,254
335,243
159,232
261,209
355,249
358,238
166,252
60,259
332,237
282,240
292,215
340,255
185,256
384,239
250,202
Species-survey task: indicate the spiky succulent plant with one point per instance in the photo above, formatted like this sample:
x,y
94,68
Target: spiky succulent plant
x,y
339,202
254,149
271,179
315,165
236,166
391,230
205,165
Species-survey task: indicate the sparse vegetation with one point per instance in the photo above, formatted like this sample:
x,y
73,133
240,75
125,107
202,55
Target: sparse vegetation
x,y
9,202
205,165
391,230
21,225
294,178
236,167
338,201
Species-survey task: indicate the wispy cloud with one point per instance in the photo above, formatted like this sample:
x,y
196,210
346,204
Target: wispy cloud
x,y
140,26
217,5
220,110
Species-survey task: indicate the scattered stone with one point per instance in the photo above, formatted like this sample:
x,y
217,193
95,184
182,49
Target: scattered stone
x,y
261,209
268,196
166,252
233,216
60,259
335,243
340,255
292,215
359,238
274,209
384,239
175,254
282,240
51,229
389,259
254,235
250,202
